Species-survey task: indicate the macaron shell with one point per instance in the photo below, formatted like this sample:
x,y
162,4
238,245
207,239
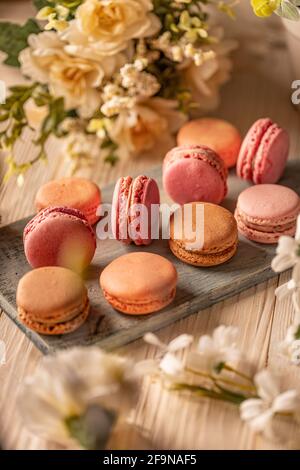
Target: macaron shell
x,y
269,202
202,259
194,173
250,146
139,282
272,156
120,203
217,134
59,237
78,193
144,191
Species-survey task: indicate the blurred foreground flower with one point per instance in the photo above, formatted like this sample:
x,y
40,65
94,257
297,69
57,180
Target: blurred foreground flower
x,y
271,402
264,7
76,397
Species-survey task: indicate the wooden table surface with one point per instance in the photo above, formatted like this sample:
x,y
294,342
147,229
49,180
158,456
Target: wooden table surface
x,y
261,86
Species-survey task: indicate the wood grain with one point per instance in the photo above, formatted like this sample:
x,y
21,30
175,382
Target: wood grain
x,y
261,86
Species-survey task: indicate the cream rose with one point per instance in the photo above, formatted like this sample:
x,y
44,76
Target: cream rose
x,y
145,126
110,24
76,79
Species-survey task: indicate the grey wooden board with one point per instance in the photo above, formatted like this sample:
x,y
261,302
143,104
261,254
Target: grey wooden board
x,y
198,288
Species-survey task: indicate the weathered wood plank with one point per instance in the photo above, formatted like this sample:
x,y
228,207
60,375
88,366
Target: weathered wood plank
x,y
198,288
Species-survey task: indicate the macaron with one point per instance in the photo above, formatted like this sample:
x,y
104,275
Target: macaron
x,y
194,173
217,134
265,212
203,234
264,152
59,236
78,193
52,301
129,222
139,283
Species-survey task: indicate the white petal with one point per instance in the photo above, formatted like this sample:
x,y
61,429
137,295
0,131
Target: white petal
x,y
296,273
171,365
267,385
251,408
181,342
282,262
287,402
260,423
151,338
206,344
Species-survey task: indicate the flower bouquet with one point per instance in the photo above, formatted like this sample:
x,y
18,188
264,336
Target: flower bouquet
x,y
113,77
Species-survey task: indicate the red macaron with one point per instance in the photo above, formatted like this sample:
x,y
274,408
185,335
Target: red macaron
x,y
134,201
59,236
264,153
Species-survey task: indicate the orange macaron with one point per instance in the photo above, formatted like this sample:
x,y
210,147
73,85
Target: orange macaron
x,y
217,134
203,234
78,193
52,301
139,283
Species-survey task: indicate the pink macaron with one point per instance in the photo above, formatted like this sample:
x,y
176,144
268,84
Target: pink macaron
x,y
263,153
265,212
193,173
59,236
135,209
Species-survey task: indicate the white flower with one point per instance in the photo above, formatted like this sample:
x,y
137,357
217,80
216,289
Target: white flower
x,y
111,24
69,384
169,363
259,412
214,351
290,346
139,83
145,126
204,80
287,251
2,353
76,79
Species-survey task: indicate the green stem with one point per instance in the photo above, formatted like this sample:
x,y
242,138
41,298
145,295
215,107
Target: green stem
x,y
239,373
224,395
222,379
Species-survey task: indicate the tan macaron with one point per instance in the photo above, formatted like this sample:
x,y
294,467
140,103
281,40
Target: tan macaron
x,y
203,234
52,300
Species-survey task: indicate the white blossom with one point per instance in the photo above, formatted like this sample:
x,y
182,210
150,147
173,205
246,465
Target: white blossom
x,y
260,412
214,351
287,251
169,363
290,346
66,384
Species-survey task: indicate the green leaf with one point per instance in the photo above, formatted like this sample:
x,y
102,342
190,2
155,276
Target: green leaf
x,y
13,39
288,10
92,429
